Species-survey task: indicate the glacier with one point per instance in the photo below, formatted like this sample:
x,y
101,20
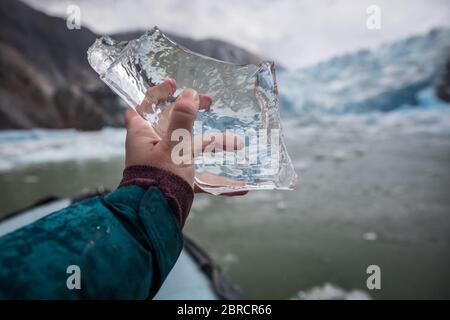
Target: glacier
x,y
385,79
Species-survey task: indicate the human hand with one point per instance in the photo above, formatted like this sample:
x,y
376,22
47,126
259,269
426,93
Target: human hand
x,y
147,145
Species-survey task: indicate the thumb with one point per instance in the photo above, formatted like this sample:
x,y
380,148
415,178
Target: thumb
x,y
132,118
184,112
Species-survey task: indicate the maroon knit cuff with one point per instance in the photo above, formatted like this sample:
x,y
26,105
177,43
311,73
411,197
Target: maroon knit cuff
x,y
177,191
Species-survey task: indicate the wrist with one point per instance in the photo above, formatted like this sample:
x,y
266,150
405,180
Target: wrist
x,y
177,191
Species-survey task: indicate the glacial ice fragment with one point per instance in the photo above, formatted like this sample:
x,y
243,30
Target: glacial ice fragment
x,y
245,102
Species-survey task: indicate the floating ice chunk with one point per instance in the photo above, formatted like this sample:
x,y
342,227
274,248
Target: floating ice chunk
x,y
30,179
245,102
282,205
370,236
332,292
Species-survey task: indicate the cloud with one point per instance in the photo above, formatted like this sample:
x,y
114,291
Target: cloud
x,y
294,32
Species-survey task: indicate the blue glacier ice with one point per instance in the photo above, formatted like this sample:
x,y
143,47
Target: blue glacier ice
x,y
385,79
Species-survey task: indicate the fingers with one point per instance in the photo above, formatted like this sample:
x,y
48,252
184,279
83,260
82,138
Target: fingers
x,y
235,193
205,102
218,142
215,180
160,93
197,189
183,112
138,126
132,118
156,95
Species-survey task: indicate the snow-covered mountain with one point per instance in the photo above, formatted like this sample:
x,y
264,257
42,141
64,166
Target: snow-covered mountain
x,y
385,79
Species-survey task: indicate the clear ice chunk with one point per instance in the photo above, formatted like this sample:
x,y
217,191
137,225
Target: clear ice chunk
x,y
245,102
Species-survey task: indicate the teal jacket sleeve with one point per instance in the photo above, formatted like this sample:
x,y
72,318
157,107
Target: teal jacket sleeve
x,y
122,245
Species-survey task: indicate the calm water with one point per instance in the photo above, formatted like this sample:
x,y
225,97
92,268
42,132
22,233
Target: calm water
x,y
374,202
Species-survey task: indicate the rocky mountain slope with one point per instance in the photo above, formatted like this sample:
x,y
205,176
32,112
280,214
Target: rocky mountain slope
x,y
46,81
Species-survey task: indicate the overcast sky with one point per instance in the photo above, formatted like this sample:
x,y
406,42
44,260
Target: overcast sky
x,y
294,32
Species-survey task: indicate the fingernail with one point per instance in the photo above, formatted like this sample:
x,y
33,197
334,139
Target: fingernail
x,y
173,85
208,100
191,95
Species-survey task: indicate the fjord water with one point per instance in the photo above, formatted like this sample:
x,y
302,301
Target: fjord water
x,y
368,195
